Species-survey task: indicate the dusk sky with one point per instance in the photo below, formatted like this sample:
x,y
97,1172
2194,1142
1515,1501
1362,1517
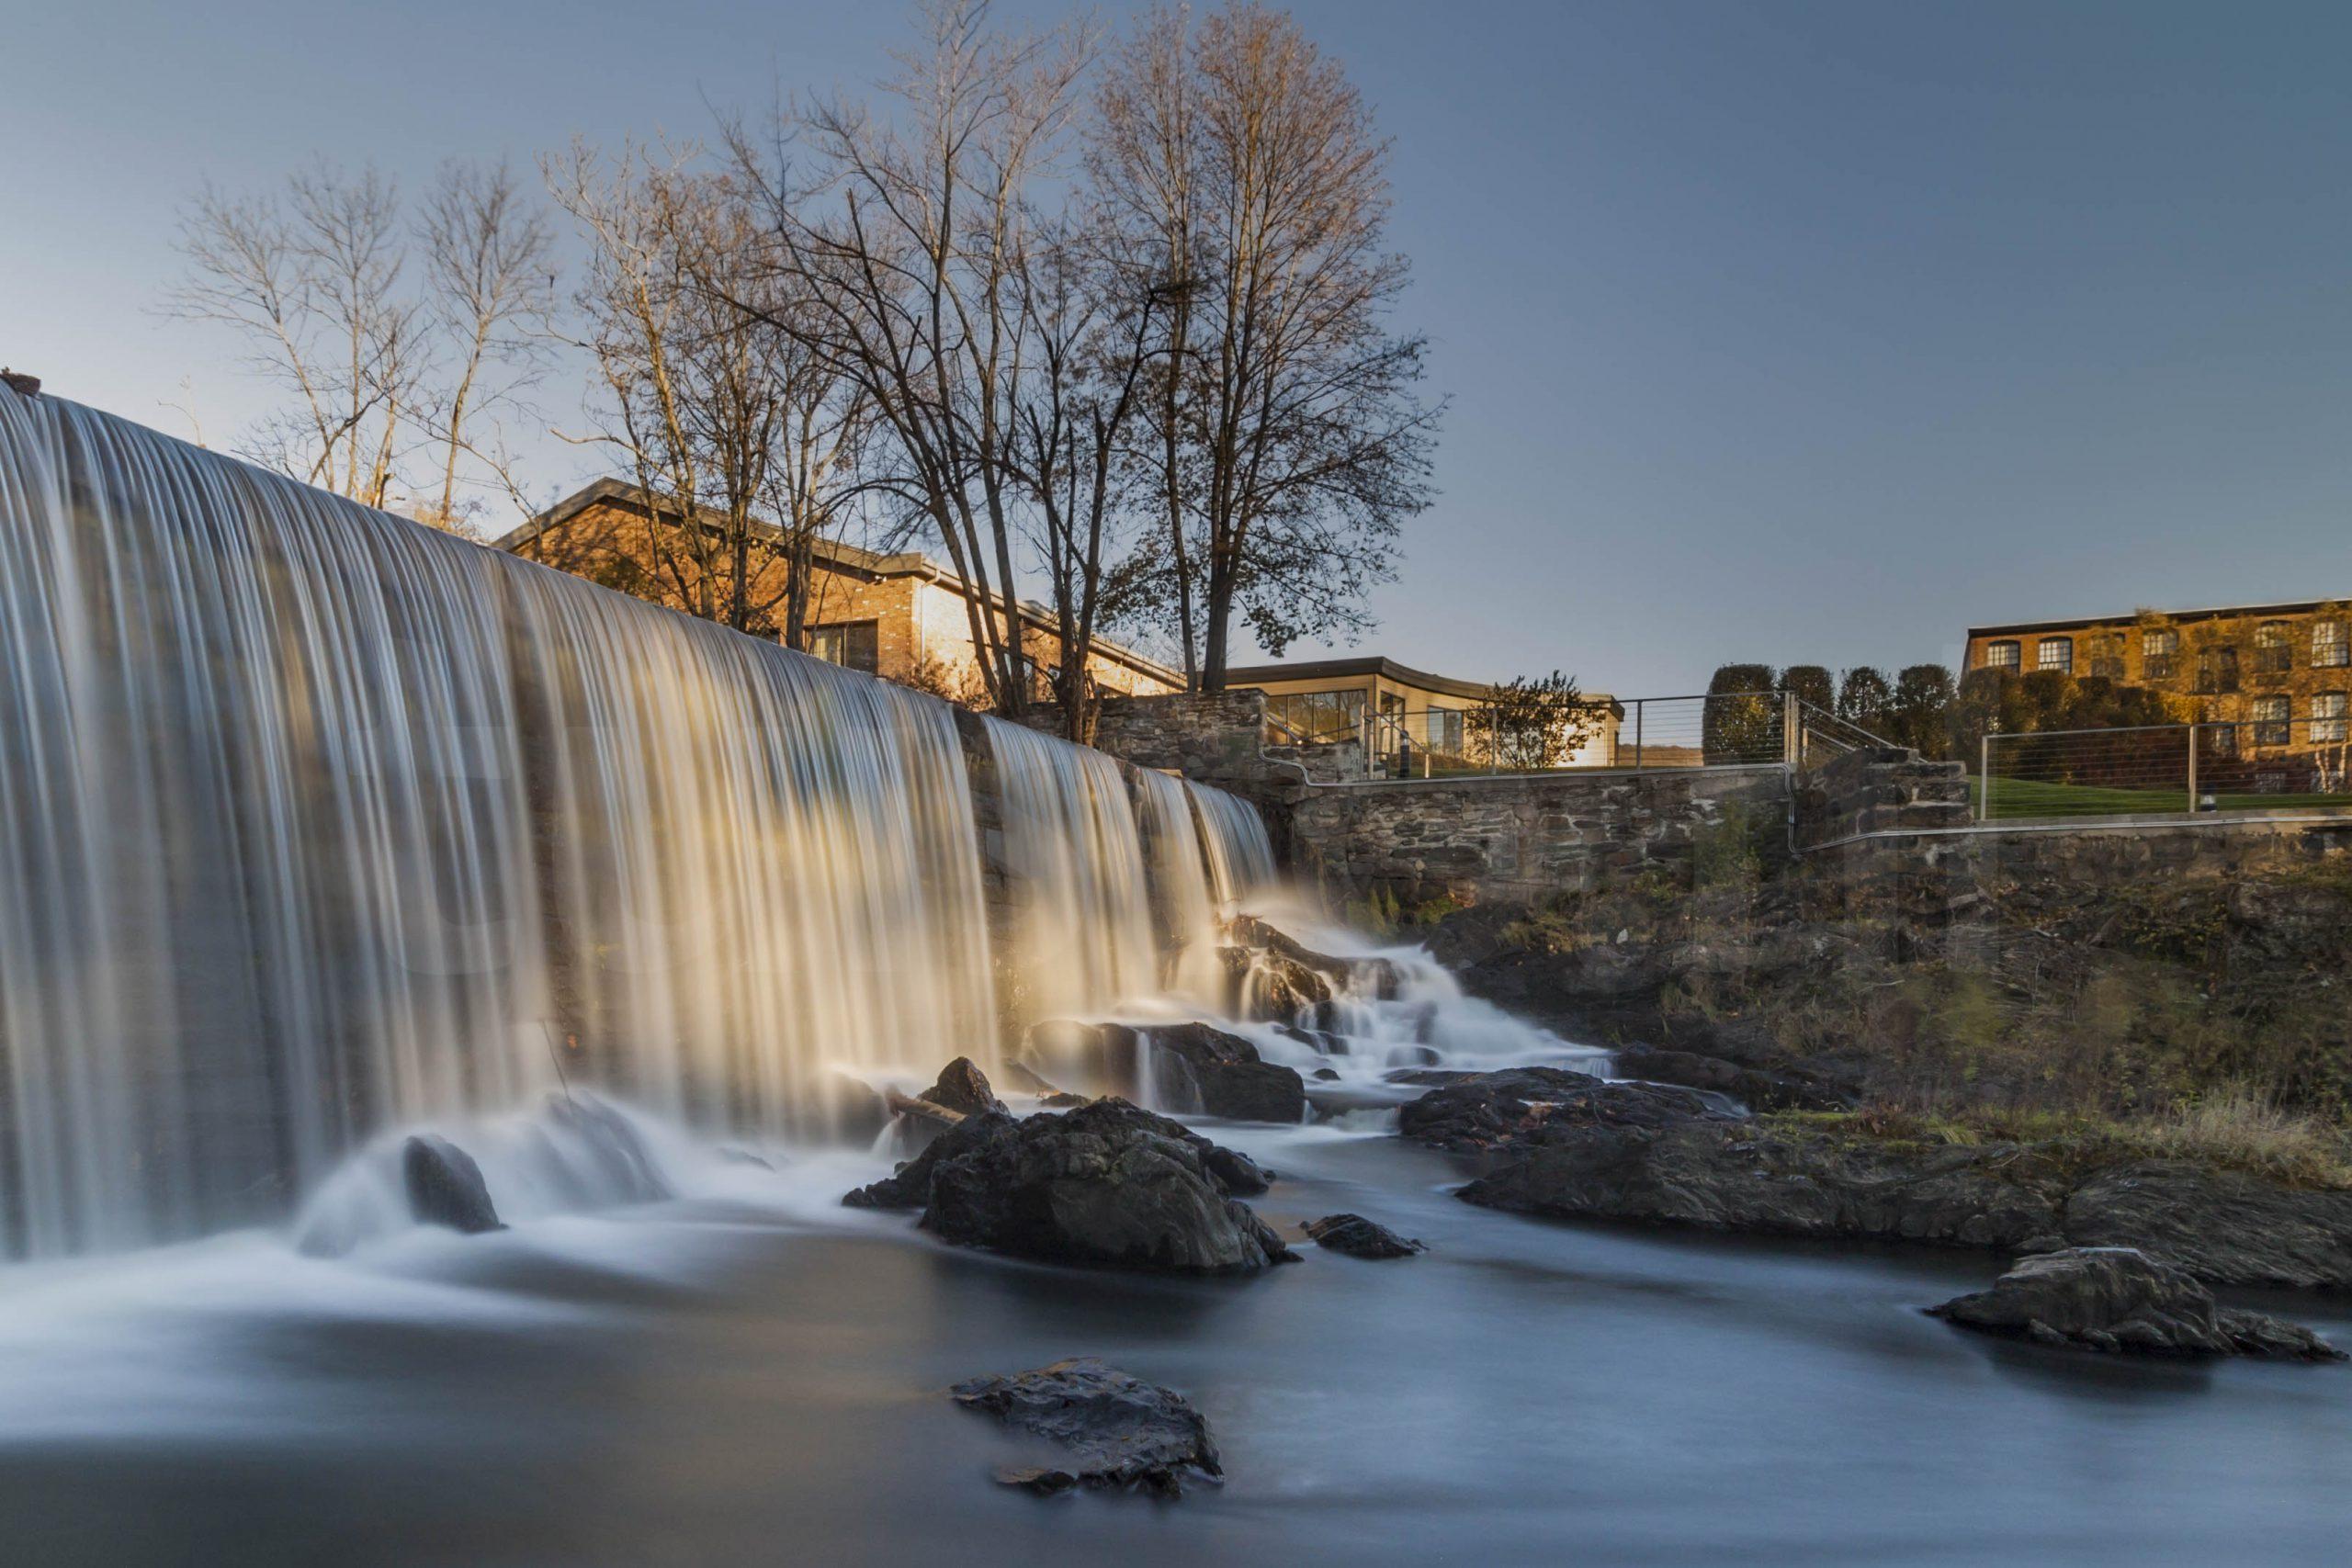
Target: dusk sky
x,y
1793,333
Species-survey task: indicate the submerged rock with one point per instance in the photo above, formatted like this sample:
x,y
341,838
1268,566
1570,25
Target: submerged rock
x,y
1360,1237
1106,1184
444,1185
2117,1299
1120,1431
963,1087
625,1171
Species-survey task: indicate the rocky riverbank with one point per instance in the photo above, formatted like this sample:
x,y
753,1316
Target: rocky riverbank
x,y
1565,1144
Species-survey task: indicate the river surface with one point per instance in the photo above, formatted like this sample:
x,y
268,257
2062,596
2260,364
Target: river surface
x,y
756,1376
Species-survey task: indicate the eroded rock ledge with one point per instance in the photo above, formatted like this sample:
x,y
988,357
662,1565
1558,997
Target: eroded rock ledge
x,y
1557,1143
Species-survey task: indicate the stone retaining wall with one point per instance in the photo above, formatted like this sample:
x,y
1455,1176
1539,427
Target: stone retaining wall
x,y
1489,839
1877,791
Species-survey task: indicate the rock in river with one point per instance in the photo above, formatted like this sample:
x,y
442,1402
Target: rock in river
x,y
1360,1237
963,1087
444,1185
1106,1184
2225,1227
1120,1431
2113,1298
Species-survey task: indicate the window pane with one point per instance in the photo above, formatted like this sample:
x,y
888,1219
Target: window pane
x,y
2055,653
2001,656
2328,715
2329,649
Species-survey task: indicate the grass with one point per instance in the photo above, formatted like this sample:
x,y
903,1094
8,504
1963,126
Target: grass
x,y
2014,798
2234,1128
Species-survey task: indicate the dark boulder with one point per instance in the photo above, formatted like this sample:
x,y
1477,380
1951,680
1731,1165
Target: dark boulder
x,y
1753,1086
909,1186
444,1185
2113,1298
1495,1111
964,1087
2225,1227
1120,1431
1360,1237
857,1110
1199,1069
1026,1080
1107,1184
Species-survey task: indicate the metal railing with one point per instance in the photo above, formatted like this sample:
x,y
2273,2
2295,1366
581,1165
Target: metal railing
x,y
2286,764
1723,730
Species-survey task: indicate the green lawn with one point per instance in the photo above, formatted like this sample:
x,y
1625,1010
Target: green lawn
x,y
2014,798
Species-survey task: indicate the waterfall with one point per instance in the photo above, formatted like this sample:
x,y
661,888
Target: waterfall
x,y
315,823
1241,857
1082,935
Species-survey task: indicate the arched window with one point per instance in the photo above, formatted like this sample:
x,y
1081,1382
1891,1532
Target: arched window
x,y
2159,648
2329,650
2001,655
2055,653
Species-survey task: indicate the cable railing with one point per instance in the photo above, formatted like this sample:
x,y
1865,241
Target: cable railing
x,y
2284,764
1525,736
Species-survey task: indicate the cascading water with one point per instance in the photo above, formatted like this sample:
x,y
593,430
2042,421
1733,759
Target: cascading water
x,y
318,823
1081,930
1240,855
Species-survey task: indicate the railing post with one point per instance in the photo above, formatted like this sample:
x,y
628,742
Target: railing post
x,y
1985,777
2192,769
1792,732
1639,703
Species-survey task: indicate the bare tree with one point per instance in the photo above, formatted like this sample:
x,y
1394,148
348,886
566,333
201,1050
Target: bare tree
x,y
487,261
319,277
903,238
312,279
1304,444
1086,321
710,391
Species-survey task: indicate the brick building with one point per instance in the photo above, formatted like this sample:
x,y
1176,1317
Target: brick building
x,y
903,617
2274,681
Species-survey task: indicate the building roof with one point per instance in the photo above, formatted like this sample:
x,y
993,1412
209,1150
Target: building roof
x,y
1373,664
2218,613
836,556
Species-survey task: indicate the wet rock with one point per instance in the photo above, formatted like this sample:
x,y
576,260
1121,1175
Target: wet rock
x,y
1120,1431
2117,1299
1324,1075
734,1155
1376,978
1494,1111
624,1168
1360,1237
1060,1100
1755,1088
444,1185
1197,1068
909,1186
963,1087
2225,1227
1107,1184
1268,988
1705,1172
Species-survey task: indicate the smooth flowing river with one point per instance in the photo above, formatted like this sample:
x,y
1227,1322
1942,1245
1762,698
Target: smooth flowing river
x,y
756,1376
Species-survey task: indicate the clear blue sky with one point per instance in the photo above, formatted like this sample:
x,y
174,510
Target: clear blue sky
x,y
1790,332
